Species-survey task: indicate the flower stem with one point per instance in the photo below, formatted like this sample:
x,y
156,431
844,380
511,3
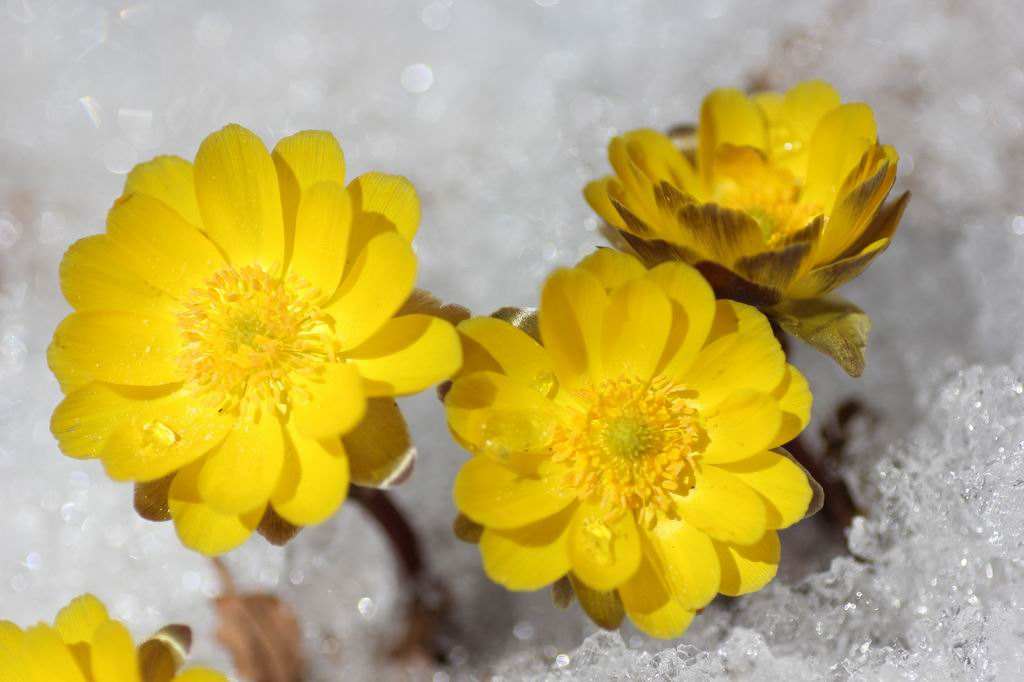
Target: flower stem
x,y
428,599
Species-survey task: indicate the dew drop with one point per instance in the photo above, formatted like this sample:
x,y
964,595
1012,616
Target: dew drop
x,y
599,539
158,434
509,431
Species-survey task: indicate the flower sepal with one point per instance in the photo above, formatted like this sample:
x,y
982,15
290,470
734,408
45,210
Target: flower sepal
x,y
831,324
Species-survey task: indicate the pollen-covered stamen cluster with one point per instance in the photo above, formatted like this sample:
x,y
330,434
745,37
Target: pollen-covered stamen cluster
x,y
630,447
247,333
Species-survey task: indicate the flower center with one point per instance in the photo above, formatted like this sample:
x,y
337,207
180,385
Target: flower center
x,y
631,447
246,333
769,193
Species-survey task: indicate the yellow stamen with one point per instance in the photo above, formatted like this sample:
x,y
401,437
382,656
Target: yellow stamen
x,y
246,333
630,447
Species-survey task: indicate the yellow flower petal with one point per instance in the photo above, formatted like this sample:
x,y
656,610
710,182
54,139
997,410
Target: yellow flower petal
x,y
85,418
149,444
604,553
794,396
651,606
241,473
498,415
748,569
380,450
686,561
571,317
408,354
378,198
314,481
636,326
839,141
855,208
49,658
612,268
14,665
655,154
530,557
321,236
113,654
597,195
96,274
693,310
727,116
742,425
498,497
335,401
492,344
239,198
122,348
78,621
724,507
303,160
373,289
168,179
742,353
800,111
161,247
781,483
200,526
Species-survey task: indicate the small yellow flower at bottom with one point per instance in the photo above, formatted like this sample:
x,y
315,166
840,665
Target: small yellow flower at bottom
x,y
85,645
632,445
240,333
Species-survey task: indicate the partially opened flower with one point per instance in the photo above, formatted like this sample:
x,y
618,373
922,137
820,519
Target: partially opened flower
x,y
779,203
85,645
240,333
629,441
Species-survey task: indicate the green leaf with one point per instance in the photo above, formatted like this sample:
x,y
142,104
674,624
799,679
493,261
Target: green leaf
x,y
831,324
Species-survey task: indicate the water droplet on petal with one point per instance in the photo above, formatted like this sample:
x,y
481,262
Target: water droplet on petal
x,y
158,435
545,382
599,539
510,431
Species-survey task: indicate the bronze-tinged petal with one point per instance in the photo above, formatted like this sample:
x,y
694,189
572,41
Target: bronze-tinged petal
x,y
825,278
276,530
423,302
633,223
151,499
670,199
561,592
868,166
604,608
775,269
164,653
883,225
817,492
811,233
830,324
721,234
657,251
854,212
684,137
380,450
466,529
523,319
728,284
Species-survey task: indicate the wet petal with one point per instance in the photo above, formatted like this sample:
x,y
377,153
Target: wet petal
x,y
314,481
407,354
122,348
749,568
605,553
239,197
499,497
724,507
240,474
529,557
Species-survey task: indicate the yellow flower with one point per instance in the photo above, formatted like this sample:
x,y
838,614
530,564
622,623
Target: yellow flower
x,y
629,442
240,333
780,201
86,645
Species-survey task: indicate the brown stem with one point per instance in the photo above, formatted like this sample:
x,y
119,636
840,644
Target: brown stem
x,y
428,598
